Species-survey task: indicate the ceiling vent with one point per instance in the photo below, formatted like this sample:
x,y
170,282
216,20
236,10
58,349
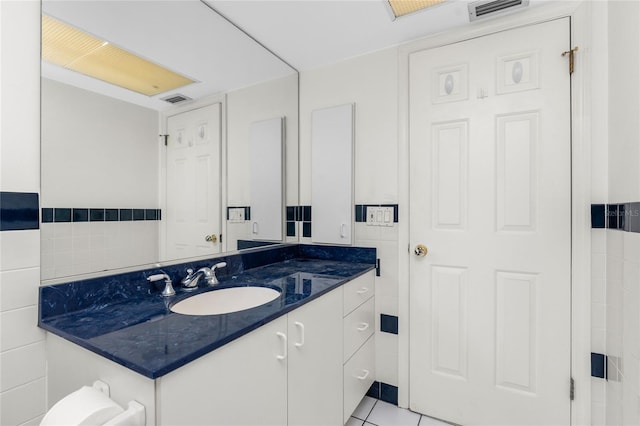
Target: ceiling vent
x,y
486,9
176,98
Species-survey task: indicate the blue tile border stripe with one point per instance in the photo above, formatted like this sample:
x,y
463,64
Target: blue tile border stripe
x,y
58,215
19,211
623,216
598,365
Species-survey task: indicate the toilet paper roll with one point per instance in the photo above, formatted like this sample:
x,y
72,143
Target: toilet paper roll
x,y
86,406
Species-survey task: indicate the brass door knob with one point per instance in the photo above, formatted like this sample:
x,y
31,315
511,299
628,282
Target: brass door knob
x,y
420,250
211,238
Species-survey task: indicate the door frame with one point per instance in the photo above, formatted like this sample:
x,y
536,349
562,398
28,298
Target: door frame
x,y
580,19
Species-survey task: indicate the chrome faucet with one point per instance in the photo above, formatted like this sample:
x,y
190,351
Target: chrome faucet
x,y
190,282
168,285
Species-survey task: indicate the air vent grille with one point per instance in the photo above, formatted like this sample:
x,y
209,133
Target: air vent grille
x,y
481,9
176,98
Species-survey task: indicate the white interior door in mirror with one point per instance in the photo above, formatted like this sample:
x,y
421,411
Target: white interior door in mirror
x,y
332,174
265,140
193,183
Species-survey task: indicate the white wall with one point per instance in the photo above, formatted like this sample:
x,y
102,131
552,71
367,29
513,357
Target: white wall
x,y
22,353
97,152
371,82
623,248
272,99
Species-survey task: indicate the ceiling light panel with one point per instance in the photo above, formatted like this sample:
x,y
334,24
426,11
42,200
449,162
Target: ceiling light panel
x,y
73,49
405,7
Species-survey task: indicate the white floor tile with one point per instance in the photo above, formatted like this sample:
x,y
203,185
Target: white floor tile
x,y
385,414
428,421
354,422
364,408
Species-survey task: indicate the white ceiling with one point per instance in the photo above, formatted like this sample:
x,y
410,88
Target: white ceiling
x,y
188,37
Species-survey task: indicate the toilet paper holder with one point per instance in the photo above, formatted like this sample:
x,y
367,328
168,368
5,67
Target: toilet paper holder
x,y
134,415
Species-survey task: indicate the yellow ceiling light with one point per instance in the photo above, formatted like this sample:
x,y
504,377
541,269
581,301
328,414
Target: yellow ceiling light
x,y
405,7
78,51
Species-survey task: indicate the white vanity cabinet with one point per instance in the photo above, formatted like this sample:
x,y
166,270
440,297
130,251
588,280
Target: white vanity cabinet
x,y
288,371
358,334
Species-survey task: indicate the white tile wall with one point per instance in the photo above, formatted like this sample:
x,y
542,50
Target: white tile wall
x,y
83,247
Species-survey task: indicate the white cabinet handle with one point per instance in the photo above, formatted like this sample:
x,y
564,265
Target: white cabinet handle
x,y
282,337
255,227
363,326
343,230
364,376
363,290
300,326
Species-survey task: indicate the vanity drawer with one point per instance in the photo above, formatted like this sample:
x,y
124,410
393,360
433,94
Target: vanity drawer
x,y
359,374
358,291
358,326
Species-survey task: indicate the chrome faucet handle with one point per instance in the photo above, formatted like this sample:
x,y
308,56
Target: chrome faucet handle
x,y
168,285
190,282
213,280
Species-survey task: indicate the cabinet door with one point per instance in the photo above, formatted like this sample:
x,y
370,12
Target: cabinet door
x,y
315,362
241,383
332,174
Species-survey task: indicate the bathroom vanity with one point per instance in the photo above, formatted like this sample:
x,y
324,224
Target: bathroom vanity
x,y
306,357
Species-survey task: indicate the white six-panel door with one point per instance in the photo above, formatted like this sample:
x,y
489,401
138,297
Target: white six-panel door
x,y
193,183
490,198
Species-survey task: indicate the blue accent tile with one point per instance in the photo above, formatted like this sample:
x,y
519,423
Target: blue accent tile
x,y
111,215
306,229
47,215
291,228
126,214
389,323
151,214
81,215
374,390
633,217
247,213
62,215
377,267
306,213
389,393
96,215
138,214
19,211
621,216
598,365
612,216
160,218
360,215
291,213
598,214
299,213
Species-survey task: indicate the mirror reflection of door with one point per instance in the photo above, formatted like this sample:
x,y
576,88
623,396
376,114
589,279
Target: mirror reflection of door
x,y
193,183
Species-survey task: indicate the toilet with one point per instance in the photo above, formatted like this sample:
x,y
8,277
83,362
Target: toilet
x,y
91,406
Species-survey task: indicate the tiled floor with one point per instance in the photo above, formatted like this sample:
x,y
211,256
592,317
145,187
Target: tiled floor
x,y
379,413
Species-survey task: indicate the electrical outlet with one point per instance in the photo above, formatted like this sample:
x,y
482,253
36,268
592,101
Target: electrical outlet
x,y
236,214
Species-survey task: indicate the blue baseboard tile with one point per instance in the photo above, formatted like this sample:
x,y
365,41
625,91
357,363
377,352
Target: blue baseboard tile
x,y
57,215
19,211
598,365
384,392
622,217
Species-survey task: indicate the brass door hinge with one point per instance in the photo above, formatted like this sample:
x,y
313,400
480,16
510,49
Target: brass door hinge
x,y
571,58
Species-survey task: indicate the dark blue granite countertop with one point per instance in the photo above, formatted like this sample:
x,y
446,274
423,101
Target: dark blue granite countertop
x,y
135,327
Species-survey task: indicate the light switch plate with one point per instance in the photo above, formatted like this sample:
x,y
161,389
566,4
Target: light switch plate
x,y
379,216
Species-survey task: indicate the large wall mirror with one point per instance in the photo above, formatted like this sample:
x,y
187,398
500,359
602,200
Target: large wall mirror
x,y
145,174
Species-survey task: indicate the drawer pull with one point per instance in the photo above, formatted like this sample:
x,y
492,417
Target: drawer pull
x,y
363,290
300,326
364,375
282,337
363,326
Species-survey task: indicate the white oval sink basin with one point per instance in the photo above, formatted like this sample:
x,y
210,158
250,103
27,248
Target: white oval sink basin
x,y
225,301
